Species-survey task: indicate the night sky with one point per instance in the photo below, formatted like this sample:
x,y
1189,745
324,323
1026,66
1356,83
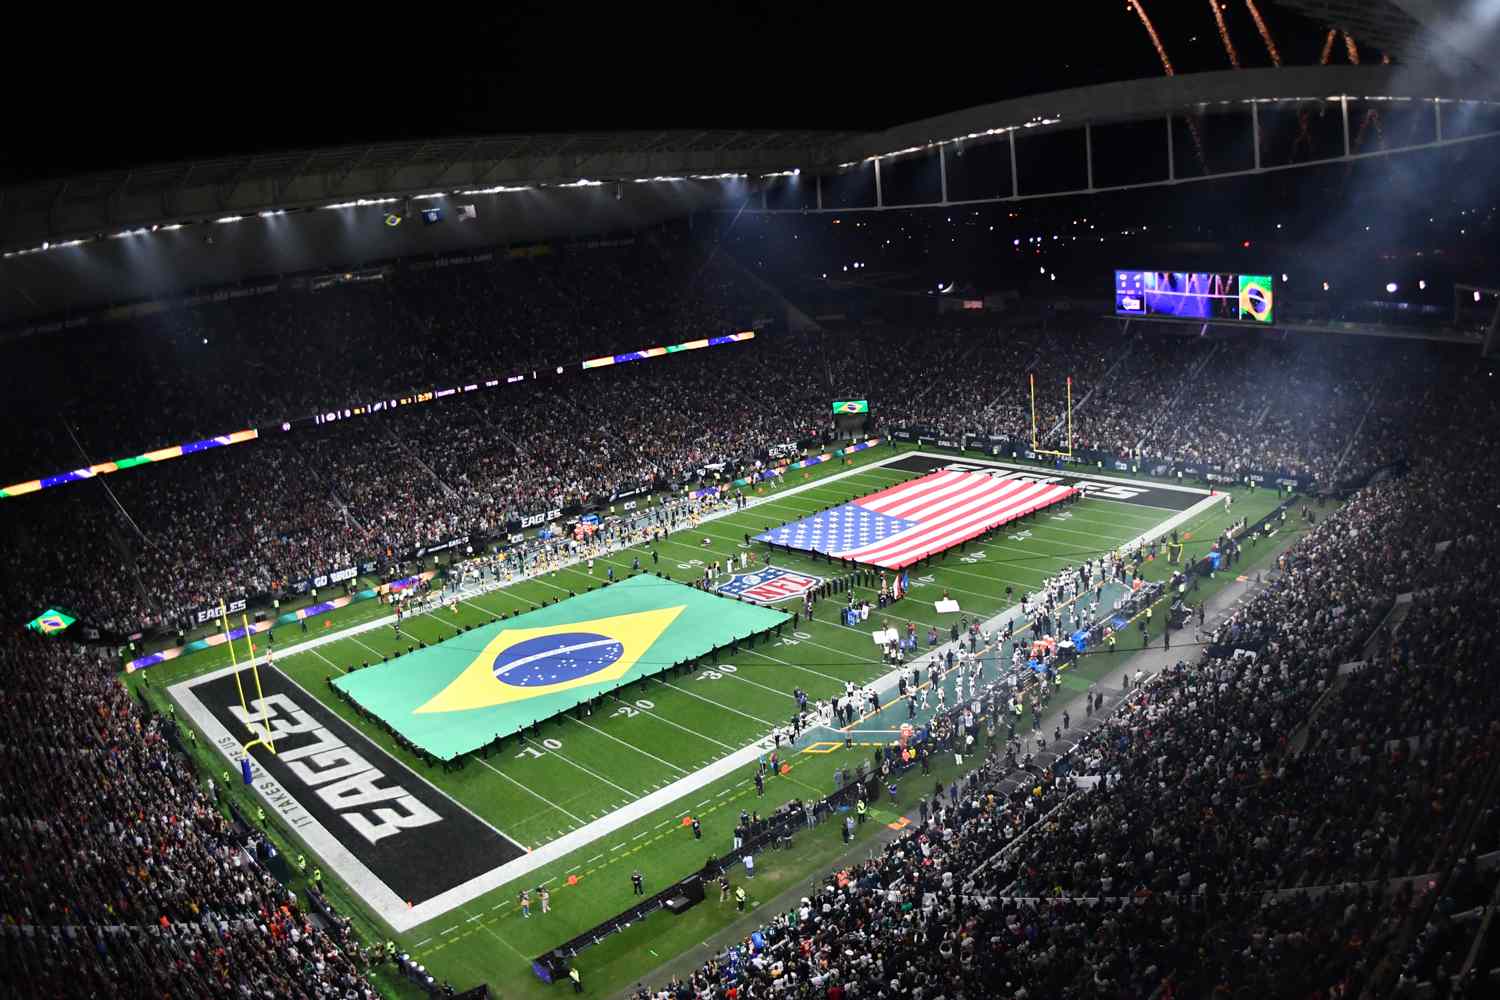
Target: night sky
x,y
274,79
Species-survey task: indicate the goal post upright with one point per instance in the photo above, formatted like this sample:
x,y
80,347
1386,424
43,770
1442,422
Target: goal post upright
x,y
261,739
1036,444
267,740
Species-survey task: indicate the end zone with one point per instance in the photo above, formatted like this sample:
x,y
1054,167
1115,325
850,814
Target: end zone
x,y
396,840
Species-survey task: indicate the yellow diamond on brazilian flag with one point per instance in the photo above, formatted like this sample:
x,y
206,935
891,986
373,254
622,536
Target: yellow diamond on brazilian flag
x,y
525,663
459,694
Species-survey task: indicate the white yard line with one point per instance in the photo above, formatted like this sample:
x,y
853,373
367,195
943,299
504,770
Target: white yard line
x,y
719,704
840,681
763,687
527,788
487,611
694,732
325,660
574,763
402,918
372,649
622,743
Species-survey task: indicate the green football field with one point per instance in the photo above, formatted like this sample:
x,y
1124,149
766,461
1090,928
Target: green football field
x,y
660,730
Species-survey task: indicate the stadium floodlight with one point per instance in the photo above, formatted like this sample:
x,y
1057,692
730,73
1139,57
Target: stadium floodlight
x,y
1390,286
1422,285
1325,286
1283,275
581,182
1476,296
362,202
171,228
497,189
267,213
434,194
229,218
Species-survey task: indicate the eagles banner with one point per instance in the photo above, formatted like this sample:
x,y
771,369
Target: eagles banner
x,y
458,695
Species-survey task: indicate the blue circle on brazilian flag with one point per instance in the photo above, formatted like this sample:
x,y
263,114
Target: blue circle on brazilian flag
x,y
555,658
1255,299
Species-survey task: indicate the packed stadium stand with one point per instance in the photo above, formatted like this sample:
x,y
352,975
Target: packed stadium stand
x,y
1246,825
283,509
1279,824
123,877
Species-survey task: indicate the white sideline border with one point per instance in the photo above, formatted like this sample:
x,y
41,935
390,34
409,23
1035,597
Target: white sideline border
x,y
1068,472
387,904
372,891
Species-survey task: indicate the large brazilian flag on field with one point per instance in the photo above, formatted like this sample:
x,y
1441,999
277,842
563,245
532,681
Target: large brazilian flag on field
x,y
458,695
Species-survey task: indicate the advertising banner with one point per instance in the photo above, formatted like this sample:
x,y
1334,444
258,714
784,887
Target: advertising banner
x,y
210,612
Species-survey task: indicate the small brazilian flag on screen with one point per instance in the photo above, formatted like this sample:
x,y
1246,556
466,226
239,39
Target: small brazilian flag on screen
x,y
851,406
51,622
1256,298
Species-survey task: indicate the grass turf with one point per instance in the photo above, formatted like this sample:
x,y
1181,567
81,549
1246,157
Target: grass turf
x,y
661,729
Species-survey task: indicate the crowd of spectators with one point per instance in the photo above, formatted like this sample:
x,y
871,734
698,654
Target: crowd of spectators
x,y
1300,809
181,374
123,876
165,539
1246,824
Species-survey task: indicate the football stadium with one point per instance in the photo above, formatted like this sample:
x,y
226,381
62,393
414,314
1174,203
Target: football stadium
x,y
1019,533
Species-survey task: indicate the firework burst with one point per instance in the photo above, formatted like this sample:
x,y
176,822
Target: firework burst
x,y
1166,65
1218,8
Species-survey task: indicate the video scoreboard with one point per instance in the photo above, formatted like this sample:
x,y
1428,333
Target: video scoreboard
x,y
1208,295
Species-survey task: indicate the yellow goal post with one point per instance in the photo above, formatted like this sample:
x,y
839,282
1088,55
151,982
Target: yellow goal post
x,y
1036,444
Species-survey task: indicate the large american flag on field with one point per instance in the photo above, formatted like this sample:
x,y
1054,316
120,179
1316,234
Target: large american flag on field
x,y
898,526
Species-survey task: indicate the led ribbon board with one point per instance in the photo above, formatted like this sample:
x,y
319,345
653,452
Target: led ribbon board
x,y
329,416
103,468
656,352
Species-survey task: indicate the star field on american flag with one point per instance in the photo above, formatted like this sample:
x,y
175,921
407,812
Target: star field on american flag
x,y
845,527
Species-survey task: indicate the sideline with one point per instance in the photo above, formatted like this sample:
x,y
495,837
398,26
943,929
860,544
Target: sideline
x,y
403,918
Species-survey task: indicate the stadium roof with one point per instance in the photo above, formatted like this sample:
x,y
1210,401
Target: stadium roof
x,y
100,203
1458,34
59,209
574,184
1157,97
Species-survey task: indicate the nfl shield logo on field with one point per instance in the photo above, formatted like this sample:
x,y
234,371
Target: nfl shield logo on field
x,y
769,585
